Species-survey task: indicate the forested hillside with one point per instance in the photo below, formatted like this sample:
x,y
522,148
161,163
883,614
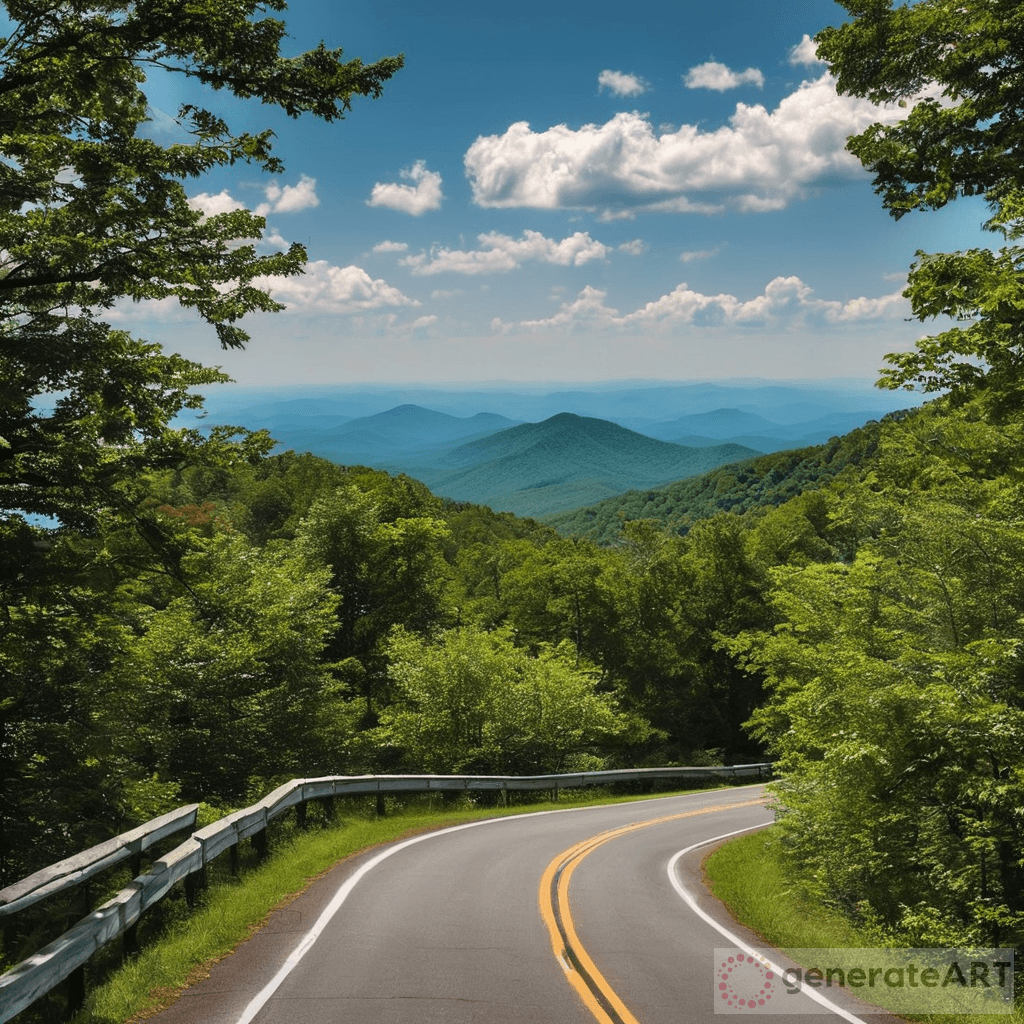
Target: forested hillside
x,y
739,487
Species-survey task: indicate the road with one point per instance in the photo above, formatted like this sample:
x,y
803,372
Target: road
x,y
568,916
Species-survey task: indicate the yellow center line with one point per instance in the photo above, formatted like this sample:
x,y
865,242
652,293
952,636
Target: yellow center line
x,y
580,970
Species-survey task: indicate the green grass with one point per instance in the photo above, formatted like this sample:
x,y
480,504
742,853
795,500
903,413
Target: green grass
x,y
186,944
749,876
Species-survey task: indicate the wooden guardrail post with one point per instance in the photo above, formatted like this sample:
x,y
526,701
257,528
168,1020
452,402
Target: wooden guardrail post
x,y
381,810
300,815
130,941
74,987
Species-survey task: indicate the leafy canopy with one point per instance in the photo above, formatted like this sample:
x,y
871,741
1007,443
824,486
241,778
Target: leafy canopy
x,y
92,211
958,65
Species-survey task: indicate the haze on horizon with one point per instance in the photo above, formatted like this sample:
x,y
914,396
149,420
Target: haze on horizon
x,y
571,192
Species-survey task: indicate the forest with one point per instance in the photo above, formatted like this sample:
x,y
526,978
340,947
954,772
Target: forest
x,y
186,617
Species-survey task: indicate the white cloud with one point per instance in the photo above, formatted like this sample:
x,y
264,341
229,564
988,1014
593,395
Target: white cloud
x,y
421,197
274,238
760,160
699,254
634,248
387,246
279,199
289,198
804,52
621,84
712,75
209,206
784,300
501,253
329,289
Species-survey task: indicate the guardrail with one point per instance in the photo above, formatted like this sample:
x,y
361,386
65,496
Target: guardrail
x,y
65,957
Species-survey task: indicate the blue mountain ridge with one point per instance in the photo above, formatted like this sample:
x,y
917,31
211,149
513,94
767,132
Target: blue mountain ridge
x,y
561,462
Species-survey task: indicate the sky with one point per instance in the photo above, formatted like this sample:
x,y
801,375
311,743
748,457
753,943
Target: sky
x,y
570,191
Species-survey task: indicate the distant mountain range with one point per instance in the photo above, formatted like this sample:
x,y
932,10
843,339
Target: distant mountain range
x,y
538,450
624,402
407,433
746,428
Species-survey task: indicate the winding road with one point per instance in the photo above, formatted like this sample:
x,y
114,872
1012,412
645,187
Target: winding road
x,y
565,916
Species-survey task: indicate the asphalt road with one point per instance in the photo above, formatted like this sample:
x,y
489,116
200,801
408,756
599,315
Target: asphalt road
x,y
471,925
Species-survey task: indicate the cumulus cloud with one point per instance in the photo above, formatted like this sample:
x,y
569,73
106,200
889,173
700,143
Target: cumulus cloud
x,y
275,238
712,75
289,198
804,52
279,199
387,246
634,248
209,206
325,288
621,84
422,196
501,253
760,160
784,300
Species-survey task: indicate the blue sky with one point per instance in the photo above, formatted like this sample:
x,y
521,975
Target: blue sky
x,y
572,191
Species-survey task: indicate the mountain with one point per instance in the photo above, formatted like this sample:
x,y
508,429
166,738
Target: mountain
x,y
407,425
756,482
720,423
406,434
563,462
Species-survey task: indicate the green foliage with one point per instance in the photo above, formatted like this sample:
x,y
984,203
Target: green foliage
x,y
895,713
387,569
93,213
754,483
957,66
472,702
226,686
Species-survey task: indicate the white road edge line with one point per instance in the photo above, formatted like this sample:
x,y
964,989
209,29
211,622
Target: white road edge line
x,y
264,995
734,940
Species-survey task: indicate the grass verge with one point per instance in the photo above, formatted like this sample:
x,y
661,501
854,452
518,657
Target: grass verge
x,y
747,874
233,909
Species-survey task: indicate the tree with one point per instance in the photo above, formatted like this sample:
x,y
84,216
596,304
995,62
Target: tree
x,y
225,688
92,212
386,572
474,702
959,67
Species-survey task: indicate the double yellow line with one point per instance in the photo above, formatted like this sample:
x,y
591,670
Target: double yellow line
x,y
580,970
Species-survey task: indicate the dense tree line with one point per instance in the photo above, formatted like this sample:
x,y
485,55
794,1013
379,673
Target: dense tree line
x,y
894,674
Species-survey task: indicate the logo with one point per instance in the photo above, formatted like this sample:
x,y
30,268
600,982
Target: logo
x,y
917,981
745,982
